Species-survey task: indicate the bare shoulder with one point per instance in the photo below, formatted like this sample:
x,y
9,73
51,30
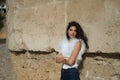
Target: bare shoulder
x,y
78,44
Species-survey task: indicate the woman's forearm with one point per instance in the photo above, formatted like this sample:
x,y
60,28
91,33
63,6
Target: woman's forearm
x,y
65,60
68,62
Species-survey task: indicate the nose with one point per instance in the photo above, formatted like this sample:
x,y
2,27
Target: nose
x,y
72,33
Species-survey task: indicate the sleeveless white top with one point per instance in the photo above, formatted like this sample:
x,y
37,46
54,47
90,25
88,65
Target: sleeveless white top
x,y
66,47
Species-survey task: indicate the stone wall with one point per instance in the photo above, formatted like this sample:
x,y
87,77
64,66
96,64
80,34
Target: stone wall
x,y
29,65
42,66
38,25
35,27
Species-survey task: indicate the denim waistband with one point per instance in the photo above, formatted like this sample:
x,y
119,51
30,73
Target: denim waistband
x,y
69,69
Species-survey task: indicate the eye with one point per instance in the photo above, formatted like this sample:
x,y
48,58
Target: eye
x,y
71,30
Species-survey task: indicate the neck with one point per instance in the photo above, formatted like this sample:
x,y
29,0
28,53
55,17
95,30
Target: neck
x,y
71,39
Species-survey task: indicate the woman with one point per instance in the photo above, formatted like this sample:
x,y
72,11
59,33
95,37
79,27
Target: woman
x,y
71,50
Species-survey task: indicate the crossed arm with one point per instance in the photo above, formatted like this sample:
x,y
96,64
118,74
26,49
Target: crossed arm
x,y
71,60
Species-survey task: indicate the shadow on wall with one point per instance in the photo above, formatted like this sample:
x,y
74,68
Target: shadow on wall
x,y
110,55
113,55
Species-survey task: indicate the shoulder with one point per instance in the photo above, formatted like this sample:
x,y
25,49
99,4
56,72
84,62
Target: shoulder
x,y
81,41
78,43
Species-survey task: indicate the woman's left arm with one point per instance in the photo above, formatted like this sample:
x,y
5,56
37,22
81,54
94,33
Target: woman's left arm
x,y
71,60
59,58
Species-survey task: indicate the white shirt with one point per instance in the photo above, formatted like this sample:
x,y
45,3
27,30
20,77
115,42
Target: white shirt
x,y
66,47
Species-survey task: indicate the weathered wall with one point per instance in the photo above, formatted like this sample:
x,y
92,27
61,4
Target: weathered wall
x,y
38,25
41,66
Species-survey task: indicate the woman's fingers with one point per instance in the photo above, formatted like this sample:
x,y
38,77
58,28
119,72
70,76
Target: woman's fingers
x,y
60,57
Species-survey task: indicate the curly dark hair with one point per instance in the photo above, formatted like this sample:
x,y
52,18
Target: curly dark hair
x,y
80,33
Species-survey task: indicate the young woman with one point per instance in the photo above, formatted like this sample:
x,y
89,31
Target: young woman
x,y
71,50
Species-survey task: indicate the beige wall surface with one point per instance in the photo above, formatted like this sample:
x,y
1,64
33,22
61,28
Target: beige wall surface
x,y
32,66
39,25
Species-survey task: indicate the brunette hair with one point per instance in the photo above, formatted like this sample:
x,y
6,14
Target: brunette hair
x,y
79,32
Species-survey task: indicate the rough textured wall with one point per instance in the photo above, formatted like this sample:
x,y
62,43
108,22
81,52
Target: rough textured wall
x,y
41,66
38,25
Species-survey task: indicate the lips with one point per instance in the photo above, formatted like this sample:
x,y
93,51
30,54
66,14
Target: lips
x,y
72,34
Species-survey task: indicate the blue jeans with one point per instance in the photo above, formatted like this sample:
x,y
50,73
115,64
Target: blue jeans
x,y
70,74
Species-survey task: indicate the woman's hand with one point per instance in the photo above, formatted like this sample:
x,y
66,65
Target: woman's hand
x,y
59,58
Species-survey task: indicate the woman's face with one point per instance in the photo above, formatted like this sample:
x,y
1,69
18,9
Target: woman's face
x,y
72,32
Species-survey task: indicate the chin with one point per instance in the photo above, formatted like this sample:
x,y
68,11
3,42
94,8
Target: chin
x,y
72,37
